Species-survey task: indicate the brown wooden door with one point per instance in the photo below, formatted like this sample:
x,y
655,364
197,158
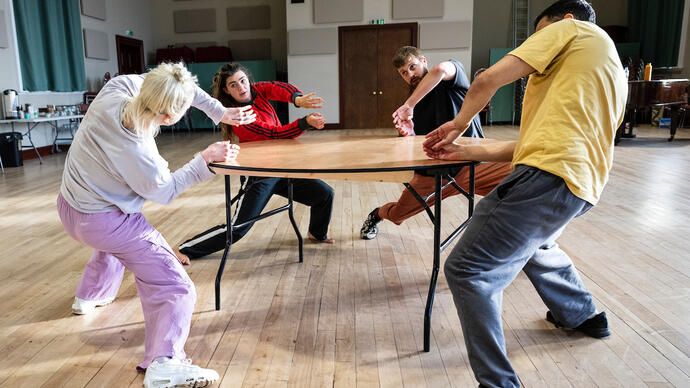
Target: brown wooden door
x,y
370,88
393,91
130,55
358,79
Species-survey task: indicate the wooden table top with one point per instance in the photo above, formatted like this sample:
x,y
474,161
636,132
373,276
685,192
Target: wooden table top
x,y
332,156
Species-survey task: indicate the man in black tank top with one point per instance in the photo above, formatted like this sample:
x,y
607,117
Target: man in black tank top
x,y
437,97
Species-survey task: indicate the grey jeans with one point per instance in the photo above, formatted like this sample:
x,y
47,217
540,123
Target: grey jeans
x,y
514,228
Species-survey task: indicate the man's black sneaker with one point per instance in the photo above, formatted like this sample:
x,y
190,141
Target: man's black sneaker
x,y
597,326
370,227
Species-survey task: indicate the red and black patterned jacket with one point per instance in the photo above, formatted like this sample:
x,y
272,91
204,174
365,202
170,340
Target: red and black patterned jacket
x,y
267,125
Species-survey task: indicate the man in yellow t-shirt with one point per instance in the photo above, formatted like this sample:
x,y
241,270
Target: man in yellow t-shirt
x,y
573,103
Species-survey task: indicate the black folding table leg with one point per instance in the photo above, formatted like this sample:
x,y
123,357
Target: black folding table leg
x,y
28,135
292,220
675,116
228,238
437,261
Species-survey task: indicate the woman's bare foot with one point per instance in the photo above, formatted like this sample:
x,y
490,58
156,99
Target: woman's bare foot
x,y
326,240
181,256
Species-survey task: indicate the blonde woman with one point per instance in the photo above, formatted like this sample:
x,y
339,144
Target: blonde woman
x,y
112,168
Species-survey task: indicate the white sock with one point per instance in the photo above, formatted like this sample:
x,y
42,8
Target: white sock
x,y
162,360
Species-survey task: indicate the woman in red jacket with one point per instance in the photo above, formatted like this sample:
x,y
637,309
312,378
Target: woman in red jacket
x,y
233,88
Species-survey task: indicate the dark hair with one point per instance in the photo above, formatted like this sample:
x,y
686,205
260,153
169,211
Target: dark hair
x,y
219,80
403,52
581,9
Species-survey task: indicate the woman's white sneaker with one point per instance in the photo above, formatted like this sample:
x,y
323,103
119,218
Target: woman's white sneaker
x,y
178,373
81,306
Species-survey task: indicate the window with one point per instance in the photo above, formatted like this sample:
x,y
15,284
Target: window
x,y
49,43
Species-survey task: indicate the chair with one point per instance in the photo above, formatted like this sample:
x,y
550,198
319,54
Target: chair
x,y
2,167
213,54
487,114
684,109
187,118
89,97
177,54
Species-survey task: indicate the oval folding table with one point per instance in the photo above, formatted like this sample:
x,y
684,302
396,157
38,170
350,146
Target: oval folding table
x,y
355,158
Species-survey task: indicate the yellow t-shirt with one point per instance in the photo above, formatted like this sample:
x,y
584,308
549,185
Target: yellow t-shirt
x,y
573,104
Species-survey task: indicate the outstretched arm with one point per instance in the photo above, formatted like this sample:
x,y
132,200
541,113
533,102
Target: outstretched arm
x,y
266,129
218,113
315,120
444,71
310,101
405,127
467,148
505,71
278,91
239,116
147,173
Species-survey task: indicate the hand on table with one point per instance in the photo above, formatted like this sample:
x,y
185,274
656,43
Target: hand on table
x,y
439,137
239,116
221,151
450,151
316,120
310,101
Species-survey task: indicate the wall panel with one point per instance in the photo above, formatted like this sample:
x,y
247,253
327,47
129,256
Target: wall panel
x,y
334,11
96,44
249,18
195,20
313,41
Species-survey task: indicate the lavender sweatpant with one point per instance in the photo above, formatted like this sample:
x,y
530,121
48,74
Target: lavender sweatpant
x,y
128,241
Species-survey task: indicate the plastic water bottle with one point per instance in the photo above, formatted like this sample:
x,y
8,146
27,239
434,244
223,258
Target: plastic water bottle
x,y
648,72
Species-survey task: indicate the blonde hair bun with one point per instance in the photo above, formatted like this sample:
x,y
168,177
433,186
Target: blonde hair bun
x,y
167,89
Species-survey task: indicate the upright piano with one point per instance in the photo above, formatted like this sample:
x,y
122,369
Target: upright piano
x,y
672,93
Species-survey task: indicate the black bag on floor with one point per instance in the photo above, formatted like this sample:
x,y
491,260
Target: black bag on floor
x,y
11,149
